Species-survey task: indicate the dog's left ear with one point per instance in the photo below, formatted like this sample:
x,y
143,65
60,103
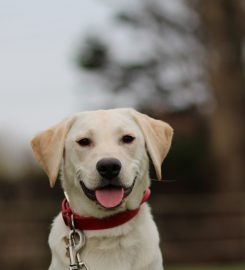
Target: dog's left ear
x,y
48,147
158,136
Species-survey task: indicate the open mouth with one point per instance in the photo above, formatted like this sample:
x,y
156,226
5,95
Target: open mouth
x,y
109,196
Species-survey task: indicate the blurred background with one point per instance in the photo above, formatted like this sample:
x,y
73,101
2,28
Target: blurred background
x,y
181,61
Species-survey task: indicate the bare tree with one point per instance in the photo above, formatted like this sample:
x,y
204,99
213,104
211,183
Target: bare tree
x,y
162,66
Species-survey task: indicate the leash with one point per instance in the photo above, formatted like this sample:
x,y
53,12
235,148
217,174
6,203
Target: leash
x,y
76,241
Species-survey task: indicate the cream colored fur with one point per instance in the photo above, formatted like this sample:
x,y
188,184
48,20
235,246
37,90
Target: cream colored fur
x,y
131,246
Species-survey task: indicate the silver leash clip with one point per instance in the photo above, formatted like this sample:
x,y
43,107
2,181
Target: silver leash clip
x,y
76,241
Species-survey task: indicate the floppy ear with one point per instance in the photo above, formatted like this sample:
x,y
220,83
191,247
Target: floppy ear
x,y
158,136
48,147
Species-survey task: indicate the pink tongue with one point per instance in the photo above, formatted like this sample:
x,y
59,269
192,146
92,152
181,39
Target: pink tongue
x,y
109,197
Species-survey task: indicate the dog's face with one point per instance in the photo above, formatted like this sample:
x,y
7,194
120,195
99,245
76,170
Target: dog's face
x,y
105,152
104,157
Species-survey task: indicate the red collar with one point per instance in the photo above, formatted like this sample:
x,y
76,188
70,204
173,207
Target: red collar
x,y
92,223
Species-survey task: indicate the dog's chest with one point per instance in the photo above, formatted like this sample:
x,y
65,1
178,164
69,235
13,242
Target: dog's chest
x,y
111,253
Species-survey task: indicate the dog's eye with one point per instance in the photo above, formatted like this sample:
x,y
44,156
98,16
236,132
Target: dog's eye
x,y
84,142
127,139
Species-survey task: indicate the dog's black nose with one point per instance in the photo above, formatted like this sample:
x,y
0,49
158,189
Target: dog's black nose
x,y
109,168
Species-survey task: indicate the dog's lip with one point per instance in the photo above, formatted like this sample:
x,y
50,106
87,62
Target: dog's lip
x,y
90,193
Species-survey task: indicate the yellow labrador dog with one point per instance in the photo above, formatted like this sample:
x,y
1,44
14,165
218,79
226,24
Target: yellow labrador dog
x,y
102,159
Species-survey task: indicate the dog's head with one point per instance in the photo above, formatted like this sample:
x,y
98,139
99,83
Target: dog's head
x,y
103,157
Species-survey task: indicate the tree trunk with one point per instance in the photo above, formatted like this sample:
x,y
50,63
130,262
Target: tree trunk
x,y
222,22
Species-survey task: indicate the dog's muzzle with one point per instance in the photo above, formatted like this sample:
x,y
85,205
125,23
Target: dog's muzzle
x,y
109,194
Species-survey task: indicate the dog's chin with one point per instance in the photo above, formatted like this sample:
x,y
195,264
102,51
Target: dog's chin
x,y
110,196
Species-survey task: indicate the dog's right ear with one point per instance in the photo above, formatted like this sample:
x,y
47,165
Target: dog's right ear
x,y
48,147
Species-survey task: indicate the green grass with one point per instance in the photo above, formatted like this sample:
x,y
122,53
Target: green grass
x,y
207,267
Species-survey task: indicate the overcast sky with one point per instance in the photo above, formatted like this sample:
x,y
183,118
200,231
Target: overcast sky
x,y
38,42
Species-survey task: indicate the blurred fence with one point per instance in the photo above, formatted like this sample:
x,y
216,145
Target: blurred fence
x,y
27,209
201,228
193,228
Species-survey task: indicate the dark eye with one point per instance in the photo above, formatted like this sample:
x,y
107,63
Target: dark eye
x,y
127,139
84,142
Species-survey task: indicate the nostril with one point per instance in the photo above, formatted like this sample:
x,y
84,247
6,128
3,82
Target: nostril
x,y
102,169
116,167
